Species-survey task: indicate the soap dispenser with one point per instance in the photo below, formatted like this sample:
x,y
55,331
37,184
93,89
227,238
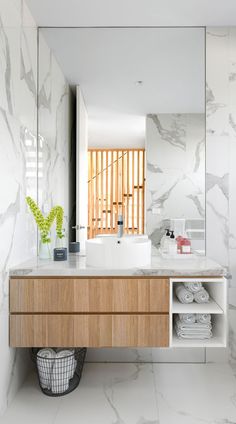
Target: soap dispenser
x,y
165,240
172,244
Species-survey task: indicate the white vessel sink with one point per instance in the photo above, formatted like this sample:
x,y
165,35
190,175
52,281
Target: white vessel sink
x,y
119,253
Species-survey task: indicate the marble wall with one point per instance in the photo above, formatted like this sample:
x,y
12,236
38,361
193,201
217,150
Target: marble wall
x,y
18,169
33,166
175,180
55,126
220,159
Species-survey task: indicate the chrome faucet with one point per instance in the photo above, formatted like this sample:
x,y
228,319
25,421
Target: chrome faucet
x,y
120,226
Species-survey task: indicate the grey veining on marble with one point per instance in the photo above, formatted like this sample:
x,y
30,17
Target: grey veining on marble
x,y
198,156
197,203
7,73
174,135
76,266
175,182
221,181
212,105
153,168
27,73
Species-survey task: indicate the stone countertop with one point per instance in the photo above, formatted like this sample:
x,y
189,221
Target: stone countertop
x,y
76,266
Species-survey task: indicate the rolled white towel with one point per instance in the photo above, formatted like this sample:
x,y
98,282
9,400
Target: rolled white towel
x,y
203,318
45,362
184,295
193,286
68,352
63,370
187,318
202,296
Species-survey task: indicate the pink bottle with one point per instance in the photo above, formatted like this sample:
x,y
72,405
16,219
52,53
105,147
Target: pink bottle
x,y
185,246
178,240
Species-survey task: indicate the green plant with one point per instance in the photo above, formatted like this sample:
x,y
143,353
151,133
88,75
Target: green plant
x,y
44,224
59,222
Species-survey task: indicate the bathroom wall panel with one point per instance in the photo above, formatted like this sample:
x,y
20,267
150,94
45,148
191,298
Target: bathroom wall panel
x,y
175,180
220,164
19,165
18,170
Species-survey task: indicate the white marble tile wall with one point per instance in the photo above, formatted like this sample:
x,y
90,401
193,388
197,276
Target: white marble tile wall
x,y
19,164
221,154
18,169
175,187
54,127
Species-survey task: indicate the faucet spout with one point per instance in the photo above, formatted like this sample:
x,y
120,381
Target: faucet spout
x,y
120,226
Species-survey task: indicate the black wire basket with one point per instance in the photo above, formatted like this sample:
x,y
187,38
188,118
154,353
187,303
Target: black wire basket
x,y
59,370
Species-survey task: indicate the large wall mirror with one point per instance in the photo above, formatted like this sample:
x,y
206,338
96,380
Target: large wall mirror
x,y
132,103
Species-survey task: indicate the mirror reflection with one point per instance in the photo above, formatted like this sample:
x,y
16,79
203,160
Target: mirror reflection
x,y
136,124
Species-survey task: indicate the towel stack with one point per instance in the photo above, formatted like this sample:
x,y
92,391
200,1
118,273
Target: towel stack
x,y
191,291
193,326
55,369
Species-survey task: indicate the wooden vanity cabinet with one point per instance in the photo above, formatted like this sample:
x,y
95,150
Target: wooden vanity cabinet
x,y
91,312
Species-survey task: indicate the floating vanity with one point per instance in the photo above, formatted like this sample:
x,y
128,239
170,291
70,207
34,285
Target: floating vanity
x,y
70,304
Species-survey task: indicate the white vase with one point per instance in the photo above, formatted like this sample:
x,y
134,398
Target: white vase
x,y
44,250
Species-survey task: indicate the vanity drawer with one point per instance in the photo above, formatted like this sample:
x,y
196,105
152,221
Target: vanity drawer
x,y
89,330
91,295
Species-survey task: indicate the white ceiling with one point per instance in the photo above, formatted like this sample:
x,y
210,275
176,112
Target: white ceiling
x,y
106,63
133,12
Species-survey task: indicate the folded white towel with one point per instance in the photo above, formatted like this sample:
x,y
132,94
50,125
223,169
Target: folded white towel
x,y
194,330
63,370
192,286
187,318
203,318
184,295
194,336
201,296
45,362
192,327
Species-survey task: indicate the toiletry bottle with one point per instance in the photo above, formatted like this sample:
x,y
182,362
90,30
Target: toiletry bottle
x,y
164,240
172,244
178,240
185,246
120,225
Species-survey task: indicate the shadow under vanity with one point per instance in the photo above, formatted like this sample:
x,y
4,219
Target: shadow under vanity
x,y
69,304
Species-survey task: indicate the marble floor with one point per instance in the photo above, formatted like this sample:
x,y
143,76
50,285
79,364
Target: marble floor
x,y
134,394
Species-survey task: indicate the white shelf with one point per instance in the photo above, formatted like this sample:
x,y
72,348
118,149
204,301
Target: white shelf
x,y
210,307
217,307
213,342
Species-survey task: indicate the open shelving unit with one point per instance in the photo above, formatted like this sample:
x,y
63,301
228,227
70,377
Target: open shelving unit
x,y
217,307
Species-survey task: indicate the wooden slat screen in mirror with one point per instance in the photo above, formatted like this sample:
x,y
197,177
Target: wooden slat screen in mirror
x,y
116,184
